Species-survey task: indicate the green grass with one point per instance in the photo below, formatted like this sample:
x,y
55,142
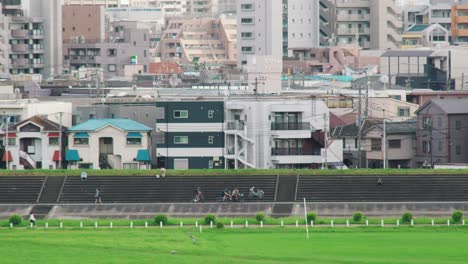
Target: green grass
x,y
275,245
246,172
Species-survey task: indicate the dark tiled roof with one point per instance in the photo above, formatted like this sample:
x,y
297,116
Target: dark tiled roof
x,y
398,127
449,106
40,121
352,129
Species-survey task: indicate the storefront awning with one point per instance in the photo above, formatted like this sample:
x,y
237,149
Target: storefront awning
x,y
10,158
81,135
72,155
134,135
143,155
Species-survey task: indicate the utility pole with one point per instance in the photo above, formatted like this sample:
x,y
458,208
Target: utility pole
x,y
366,113
256,83
325,155
430,144
60,142
384,142
7,157
359,125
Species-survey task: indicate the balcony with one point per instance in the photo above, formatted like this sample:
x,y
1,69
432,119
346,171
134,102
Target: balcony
x,y
235,126
296,156
20,63
19,33
19,47
290,126
294,152
353,31
353,17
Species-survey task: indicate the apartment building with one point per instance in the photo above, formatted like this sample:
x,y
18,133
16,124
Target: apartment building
x,y
106,3
31,37
91,29
370,24
259,44
300,27
279,133
441,132
459,16
259,31
124,54
190,134
200,40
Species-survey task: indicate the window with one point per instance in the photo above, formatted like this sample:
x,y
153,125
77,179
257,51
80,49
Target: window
x,y
427,122
210,164
81,141
344,143
128,166
211,140
210,113
458,124
181,140
427,147
53,141
111,67
403,111
247,35
181,114
440,146
85,166
376,144
111,52
394,143
355,143
11,141
133,141
458,150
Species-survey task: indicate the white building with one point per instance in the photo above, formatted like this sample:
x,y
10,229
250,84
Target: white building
x,y
301,24
33,144
19,110
259,43
287,132
109,144
51,13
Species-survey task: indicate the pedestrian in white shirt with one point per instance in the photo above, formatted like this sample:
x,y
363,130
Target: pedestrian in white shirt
x,y
32,219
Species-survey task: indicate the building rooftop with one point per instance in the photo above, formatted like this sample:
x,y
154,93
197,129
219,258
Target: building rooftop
x,y
122,124
417,28
398,127
449,106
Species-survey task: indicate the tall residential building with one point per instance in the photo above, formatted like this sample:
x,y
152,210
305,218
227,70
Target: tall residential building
x,y
300,26
327,18
199,40
259,29
371,24
460,23
91,29
106,3
259,43
32,37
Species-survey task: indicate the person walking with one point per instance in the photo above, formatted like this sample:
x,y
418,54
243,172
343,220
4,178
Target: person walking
x,y
32,219
84,176
97,196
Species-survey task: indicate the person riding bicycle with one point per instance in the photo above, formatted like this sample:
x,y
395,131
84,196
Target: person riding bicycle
x,y
227,195
235,195
198,195
252,191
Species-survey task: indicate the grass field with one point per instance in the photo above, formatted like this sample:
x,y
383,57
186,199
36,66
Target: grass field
x,y
245,172
276,245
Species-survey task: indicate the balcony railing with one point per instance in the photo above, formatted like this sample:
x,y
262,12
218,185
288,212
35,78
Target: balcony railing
x,y
290,126
235,125
294,152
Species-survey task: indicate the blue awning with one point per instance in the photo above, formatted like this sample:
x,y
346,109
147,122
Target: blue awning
x,y
134,135
81,135
72,155
143,155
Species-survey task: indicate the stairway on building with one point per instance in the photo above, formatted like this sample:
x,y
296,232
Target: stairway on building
x,y
286,192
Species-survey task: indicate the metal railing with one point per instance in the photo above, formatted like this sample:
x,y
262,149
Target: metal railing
x,y
290,126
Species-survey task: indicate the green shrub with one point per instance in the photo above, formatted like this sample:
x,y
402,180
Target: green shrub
x,y
219,225
311,217
357,217
16,219
260,217
161,219
457,217
210,218
406,218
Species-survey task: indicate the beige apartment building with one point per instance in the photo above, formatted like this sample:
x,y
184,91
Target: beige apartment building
x,y
371,24
199,40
